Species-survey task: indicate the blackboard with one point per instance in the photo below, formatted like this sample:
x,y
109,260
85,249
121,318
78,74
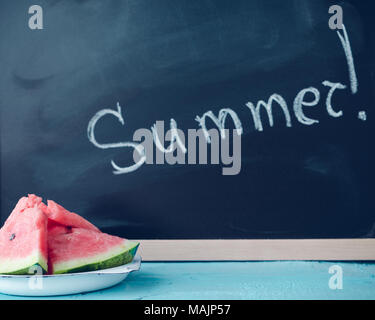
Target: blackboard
x,y
178,59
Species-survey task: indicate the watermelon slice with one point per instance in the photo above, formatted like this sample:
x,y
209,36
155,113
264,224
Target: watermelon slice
x,y
57,240
23,238
80,250
59,214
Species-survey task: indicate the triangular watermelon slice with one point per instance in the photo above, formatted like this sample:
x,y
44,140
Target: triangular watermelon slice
x,y
23,238
57,240
80,250
59,214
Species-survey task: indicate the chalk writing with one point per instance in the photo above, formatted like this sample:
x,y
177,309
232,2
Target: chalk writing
x,y
175,152
333,86
135,146
268,106
349,58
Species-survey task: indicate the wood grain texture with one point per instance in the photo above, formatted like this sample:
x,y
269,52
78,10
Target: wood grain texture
x,y
256,250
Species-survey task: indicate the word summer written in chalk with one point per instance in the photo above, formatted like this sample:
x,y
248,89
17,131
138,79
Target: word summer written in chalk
x,y
183,151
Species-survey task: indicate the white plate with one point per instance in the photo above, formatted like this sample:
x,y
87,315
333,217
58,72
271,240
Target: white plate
x,y
69,283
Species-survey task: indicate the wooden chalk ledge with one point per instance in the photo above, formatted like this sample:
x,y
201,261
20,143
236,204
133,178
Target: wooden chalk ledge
x,y
264,250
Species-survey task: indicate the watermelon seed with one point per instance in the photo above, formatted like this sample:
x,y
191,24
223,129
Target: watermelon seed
x,y
12,236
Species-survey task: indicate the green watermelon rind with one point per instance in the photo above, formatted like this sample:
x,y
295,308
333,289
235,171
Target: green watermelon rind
x,y
25,266
27,271
125,256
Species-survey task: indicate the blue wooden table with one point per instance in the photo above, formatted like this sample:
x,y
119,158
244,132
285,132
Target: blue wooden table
x,y
238,280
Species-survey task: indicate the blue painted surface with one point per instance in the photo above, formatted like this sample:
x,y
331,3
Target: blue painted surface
x,y
238,280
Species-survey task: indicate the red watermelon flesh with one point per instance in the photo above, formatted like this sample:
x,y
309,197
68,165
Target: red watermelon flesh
x,y
30,201
55,228
59,214
79,250
23,238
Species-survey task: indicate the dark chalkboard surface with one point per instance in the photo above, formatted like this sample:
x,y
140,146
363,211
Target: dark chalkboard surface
x,y
179,59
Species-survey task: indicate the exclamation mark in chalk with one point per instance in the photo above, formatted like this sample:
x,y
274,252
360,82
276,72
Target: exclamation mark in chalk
x,y
352,73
